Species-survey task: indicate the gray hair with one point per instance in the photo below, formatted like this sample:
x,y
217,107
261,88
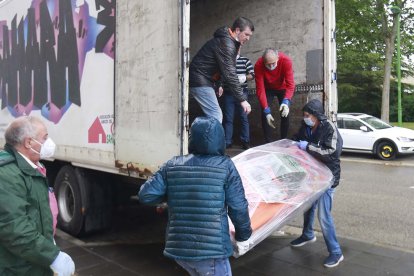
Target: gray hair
x,y
21,128
268,51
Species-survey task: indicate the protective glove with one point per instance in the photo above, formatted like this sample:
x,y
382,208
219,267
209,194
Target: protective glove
x,y
303,144
242,247
284,110
270,120
242,78
63,265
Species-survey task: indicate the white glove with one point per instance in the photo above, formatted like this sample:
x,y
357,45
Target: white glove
x,y
246,107
242,247
242,78
270,120
63,265
284,110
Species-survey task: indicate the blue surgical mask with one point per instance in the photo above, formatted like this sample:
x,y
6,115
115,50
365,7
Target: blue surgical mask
x,y
309,122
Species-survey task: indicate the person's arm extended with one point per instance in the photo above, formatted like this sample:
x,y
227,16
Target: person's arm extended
x,y
237,205
227,65
154,189
327,147
260,87
289,79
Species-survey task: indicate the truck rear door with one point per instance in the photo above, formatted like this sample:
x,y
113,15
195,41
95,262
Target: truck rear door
x,y
150,83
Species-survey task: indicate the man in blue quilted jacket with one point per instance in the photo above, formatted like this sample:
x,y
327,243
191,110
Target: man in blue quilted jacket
x,y
201,189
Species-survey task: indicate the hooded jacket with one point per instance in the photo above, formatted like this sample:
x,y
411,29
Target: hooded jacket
x,y
217,59
26,233
201,189
325,144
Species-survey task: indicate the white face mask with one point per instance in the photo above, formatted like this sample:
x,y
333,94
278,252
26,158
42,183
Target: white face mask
x,y
309,122
271,67
47,149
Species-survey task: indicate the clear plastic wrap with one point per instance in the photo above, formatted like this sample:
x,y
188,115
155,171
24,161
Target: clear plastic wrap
x,y
281,181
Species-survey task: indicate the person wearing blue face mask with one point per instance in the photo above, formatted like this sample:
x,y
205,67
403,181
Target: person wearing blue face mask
x,y
320,138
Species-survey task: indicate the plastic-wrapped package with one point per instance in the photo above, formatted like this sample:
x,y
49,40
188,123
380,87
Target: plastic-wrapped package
x,y
281,181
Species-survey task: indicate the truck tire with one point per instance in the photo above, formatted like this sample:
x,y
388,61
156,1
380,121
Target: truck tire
x,y
68,195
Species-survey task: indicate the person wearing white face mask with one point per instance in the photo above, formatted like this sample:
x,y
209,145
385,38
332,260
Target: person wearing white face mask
x,y
319,137
274,77
26,225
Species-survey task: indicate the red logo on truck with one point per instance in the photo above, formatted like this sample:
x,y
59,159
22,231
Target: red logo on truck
x,y
96,133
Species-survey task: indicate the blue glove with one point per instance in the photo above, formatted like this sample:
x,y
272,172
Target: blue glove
x,y
303,144
286,102
266,110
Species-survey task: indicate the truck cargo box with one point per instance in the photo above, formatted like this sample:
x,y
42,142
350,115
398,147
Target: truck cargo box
x,y
110,79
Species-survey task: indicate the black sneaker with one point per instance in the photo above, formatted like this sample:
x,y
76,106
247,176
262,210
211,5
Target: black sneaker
x,y
245,145
301,241
333,260
229,146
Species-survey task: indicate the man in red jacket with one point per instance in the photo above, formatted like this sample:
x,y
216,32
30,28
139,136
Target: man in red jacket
x,y
274,77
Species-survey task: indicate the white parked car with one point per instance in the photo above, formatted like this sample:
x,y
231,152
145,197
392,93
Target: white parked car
x,y
365,133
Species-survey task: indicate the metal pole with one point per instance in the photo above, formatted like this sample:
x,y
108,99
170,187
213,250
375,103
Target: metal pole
x,y
399,70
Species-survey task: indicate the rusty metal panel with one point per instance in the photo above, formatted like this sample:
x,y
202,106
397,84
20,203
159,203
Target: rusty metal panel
x,y
147,94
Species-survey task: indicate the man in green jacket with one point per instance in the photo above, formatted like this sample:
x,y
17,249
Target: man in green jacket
x,y
27,246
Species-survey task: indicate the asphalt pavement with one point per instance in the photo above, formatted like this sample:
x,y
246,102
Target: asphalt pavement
x,y
135,248
273,256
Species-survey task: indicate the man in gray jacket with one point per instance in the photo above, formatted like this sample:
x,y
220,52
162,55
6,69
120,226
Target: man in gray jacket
x,y
201,189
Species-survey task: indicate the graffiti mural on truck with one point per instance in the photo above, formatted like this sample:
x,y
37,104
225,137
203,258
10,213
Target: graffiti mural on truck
x,y
42,54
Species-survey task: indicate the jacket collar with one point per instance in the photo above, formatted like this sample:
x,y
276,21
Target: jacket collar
x,y
23,165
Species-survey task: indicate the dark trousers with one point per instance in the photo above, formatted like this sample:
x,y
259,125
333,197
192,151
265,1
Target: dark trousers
x,y
232,105
284,121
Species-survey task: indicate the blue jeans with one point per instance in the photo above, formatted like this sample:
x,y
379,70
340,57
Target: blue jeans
x,y
231,104
218,267
206,98
324,204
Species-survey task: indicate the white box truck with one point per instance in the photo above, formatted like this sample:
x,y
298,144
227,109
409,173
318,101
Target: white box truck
x,y
110,79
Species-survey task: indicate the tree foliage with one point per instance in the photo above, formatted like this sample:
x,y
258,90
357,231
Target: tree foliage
x,y
365,42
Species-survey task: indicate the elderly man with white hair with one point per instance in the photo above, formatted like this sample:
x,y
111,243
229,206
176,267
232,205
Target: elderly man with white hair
x,y
27,246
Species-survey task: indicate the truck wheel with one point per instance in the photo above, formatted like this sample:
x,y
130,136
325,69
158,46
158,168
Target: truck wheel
x,y
68,195
386,150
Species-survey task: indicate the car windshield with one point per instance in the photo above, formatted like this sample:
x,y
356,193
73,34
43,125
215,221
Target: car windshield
x,y
375,122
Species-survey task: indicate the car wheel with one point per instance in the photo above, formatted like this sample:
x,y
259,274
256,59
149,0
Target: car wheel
x,y
386,150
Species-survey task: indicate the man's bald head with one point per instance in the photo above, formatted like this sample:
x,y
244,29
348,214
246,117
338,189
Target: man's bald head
x,y
270,55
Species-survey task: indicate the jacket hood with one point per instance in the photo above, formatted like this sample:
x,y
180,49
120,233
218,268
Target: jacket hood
x,y
315,108
206,137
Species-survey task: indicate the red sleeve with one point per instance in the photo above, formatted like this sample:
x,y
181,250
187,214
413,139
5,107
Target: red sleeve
x,y
289,81
260,87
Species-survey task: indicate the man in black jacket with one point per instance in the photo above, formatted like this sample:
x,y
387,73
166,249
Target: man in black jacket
x,y
216,61
320,138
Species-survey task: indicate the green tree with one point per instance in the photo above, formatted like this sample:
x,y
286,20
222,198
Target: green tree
x,y
366,33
